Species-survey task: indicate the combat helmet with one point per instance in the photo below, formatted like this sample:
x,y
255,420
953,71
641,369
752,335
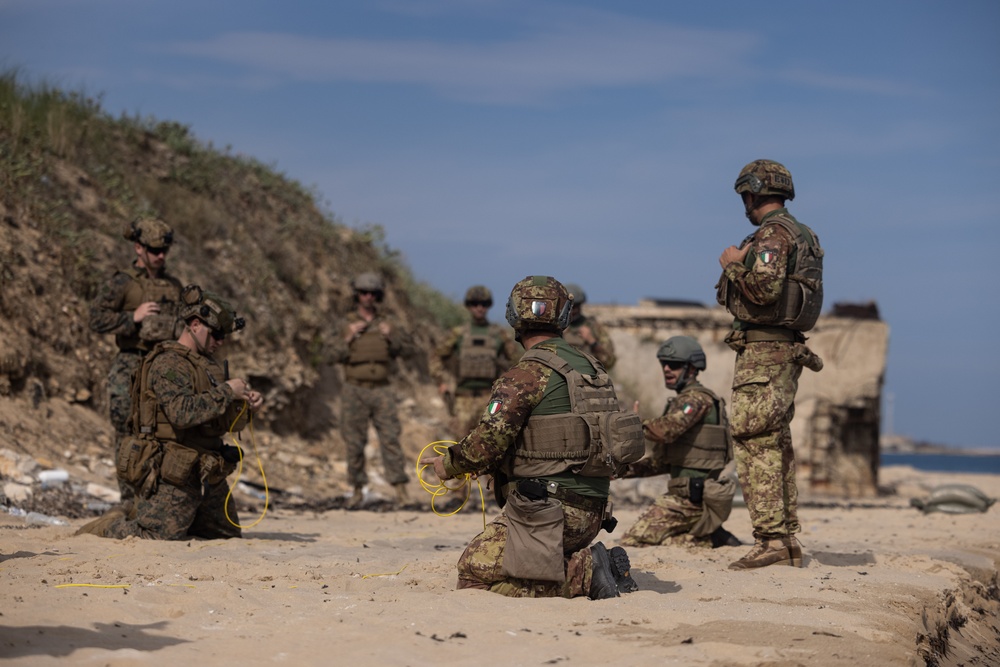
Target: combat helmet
x,y
684,349
579,296
539,303
369,282
210,309
479,294
150,232
765,177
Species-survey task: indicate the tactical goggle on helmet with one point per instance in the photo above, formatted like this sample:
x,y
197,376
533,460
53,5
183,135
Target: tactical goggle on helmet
x,y
539,303
682,349
210,309
765,177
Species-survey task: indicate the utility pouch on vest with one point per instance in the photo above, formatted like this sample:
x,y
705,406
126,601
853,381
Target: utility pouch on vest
x,y
160,326
619,442
178,464
137,458
716,505
213,468
534,548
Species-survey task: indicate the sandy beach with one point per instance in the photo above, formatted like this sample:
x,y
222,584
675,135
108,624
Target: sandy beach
x,y
883,584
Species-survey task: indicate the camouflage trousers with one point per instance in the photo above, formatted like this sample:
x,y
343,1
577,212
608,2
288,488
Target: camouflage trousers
x,y
668,520
174,513
762,408
480,566
469,410
123,369
358,406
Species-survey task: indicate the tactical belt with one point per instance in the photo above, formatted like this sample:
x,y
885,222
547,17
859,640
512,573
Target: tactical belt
x,y
368,384
567,497
771,334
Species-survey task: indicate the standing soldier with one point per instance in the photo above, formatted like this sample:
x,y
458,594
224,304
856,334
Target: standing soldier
x,y
691,442
773,286
368,344
552,436
473,355
175,458
138,306
586,333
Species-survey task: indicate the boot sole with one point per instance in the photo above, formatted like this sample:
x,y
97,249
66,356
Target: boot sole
x,y
622,568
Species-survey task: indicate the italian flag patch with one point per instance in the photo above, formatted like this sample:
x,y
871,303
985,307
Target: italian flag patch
x,y
687,409
768,256
493,408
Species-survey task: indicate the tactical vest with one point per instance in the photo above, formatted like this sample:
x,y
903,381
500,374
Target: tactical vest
x,y
369,360
149,420
703,446
595,439
801,298
478,355
165,325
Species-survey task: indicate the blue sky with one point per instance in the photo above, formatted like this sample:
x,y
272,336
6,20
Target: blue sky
x,y
599,141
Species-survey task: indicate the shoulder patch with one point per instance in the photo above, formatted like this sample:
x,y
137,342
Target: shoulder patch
x,y
493,407
768,256
687,409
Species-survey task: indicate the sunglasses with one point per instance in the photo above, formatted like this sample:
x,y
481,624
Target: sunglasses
x,y
157,251
484,304
674,365
217,335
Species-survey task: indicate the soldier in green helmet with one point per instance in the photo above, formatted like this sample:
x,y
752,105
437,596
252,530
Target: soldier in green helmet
x,y
467,362
139,306
175,457
552,436
691,443
772,284
586,333
367,347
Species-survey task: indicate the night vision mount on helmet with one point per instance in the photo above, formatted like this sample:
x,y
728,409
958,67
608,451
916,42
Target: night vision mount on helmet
x,y
150,232
684,349
539,303
210,309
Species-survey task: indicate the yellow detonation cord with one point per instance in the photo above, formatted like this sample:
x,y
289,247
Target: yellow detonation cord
x,y
443,487
239,468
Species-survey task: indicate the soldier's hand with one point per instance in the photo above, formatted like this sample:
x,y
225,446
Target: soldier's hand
x,y
733,254
587,334
144,310
635,407
437,463
240,388
355,330
384,329
255,399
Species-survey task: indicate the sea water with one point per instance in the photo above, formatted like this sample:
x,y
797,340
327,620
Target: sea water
x,y
946,462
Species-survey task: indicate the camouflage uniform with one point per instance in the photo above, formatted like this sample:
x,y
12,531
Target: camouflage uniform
x,y
528,389
764,385
671,517
368,396
111,313
471,392
194,505
603,349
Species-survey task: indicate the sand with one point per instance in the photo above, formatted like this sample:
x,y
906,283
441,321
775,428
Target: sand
x,y
883,584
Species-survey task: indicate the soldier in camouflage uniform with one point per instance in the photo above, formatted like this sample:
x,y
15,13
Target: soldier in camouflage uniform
x,y
138,306
467,362
586,333
691,443
773,286
368,344
175,457
549,475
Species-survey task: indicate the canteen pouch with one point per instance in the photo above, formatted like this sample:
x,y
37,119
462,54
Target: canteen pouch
x,y
534,548
137,458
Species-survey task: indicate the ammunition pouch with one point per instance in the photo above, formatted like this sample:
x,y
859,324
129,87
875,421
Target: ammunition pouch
x,y
179,462
689,488
214,467
165,325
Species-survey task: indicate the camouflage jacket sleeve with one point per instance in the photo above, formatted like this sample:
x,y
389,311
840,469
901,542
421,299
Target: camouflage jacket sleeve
x,y
171,377
515,395
400,342
603,349
106,314
340,349
763,281
680,414
443,353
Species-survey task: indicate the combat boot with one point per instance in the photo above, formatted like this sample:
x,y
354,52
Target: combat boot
x,y
774,551
721,537
622,569
402,497
602,579
357,498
